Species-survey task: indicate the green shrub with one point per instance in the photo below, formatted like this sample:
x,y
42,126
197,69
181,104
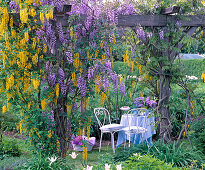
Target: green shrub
x,y
198,134
193,67
39,162
181,155
9,147
146,162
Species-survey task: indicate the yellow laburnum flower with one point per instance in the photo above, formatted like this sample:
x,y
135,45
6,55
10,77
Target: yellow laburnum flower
x,y
57,90
36,83
158,85
103,98
76,61
4,109
26,36
11,22
34,43
97,84
24,15
68,108
96,53
49,134
85,153
203,76
49,15
58,146
103,57
42,17
35,59
132,66
11,80
44,48
43,104
8,106
20,127
71,33
74,79
32,12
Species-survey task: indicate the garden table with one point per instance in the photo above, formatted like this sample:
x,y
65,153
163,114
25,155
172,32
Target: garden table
x,y
148,134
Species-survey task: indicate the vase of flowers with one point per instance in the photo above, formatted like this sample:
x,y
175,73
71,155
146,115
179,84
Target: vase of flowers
x,y
146,103
82,141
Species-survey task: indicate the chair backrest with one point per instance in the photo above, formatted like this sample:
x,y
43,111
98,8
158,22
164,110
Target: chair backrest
x,y
131,116
102,113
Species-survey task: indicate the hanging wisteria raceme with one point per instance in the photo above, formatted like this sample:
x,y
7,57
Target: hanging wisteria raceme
x,y
14,6
115,82
81,83
69,57
51,79
106,84
141,34
122,88
60,33
161,34
90,73
61,76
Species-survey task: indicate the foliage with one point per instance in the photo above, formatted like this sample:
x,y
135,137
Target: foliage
x,y
193,67
39,162
197,134
181,156
9,148
146,162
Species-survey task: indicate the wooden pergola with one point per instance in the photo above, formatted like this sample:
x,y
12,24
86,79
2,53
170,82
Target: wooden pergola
x,y
167,16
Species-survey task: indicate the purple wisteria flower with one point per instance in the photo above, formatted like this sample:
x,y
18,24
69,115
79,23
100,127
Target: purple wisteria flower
x,y
51,79
141,34
69,57
161,34
49,66
61,76
60,33
50,35
81,83
115,82
106,84
90,73
142,102
64,90
139,102
108,66
122,88
14,6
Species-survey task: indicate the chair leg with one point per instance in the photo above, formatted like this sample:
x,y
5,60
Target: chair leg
x,y
112,141
129,139
100,141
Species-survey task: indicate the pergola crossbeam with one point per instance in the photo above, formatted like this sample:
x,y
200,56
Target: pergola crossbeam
x,y
160,20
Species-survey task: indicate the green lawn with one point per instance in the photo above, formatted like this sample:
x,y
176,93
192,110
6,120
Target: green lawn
x,y
12,162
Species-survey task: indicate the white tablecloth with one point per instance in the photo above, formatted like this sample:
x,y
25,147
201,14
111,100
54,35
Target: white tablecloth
x,y
149,125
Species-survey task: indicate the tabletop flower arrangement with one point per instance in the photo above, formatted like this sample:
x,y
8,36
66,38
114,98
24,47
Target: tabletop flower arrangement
x,y
142,102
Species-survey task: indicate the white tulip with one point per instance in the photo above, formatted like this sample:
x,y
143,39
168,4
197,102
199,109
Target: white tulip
x,y
107,167
88,168
52,159
119,167
73,155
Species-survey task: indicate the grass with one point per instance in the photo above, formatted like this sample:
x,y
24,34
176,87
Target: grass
x,y
14,162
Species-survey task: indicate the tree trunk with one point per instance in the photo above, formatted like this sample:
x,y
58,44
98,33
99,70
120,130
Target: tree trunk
x,y
61,125
164,95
